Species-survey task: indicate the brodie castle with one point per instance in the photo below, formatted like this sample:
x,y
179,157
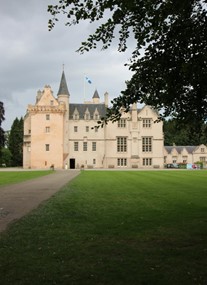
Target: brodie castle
x,y
62,134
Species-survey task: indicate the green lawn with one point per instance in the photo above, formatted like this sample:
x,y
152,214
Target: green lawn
x,y
113,228
10,177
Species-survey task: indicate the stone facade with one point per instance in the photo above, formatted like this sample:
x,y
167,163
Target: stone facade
x,y
185,154
65,135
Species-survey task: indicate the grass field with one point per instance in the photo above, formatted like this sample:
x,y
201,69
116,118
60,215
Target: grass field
x,y
9,177
130,227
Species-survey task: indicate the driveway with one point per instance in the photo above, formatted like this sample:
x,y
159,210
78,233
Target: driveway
x,y
16,200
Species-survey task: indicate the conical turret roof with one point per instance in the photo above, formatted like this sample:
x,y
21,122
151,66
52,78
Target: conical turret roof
x,y
96,95
63,89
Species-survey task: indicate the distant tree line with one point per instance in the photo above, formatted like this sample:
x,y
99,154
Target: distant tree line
x,y
11,142
2,135
15,142
175,132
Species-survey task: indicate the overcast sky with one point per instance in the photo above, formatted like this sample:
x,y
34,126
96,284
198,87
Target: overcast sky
x,y
32,57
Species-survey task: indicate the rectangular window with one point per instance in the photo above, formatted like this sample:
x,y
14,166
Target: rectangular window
x,y
76,117
47,129
87,117
203,159
146,144
85,146
51,102
75,146
122,123
96,129
96,117
174,159
75,129
47,147
122,162
185,158
94,161
121,144
202,149
146,123
87,129
93,146
47,117
147,161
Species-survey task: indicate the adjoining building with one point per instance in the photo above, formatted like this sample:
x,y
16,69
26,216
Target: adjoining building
x,y
62,134
185,154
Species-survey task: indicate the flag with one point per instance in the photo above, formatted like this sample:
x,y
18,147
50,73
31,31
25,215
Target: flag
x,y
88,80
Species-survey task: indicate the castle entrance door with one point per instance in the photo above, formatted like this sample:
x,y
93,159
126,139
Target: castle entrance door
x,y
72,163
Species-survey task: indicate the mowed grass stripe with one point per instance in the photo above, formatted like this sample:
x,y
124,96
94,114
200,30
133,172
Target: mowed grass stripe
x,y
113,227
11,177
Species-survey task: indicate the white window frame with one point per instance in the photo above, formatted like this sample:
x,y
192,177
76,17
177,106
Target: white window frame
x,y
147,161
122,123
47,130
121,144
146,123
76,146
94,146
47,147
121,162
146,144
85,146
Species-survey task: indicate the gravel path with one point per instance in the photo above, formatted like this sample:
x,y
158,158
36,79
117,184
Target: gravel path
x,y
17,200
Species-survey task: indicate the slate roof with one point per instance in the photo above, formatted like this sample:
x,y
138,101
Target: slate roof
x,y
95,95
190,149
63,89
81,108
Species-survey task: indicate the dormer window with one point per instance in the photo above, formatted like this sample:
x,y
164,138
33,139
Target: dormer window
x,y
87,115
96,115
76,115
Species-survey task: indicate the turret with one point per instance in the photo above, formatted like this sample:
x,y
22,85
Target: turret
x,y
96,98
106,99
63,93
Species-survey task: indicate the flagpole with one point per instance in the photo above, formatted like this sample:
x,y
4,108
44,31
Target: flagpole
x,y
84,88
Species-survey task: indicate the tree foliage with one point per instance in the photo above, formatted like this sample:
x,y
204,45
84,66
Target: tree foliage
x,y
169,63
2,118
16,142
5,160
183,134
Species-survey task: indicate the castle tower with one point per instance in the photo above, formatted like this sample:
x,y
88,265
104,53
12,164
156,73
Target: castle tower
x,y
63,93
63,98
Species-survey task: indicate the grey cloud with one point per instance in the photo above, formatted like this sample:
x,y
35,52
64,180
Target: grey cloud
x,y
31,57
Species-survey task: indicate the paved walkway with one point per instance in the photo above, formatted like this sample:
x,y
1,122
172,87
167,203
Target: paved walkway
x,y
17,200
